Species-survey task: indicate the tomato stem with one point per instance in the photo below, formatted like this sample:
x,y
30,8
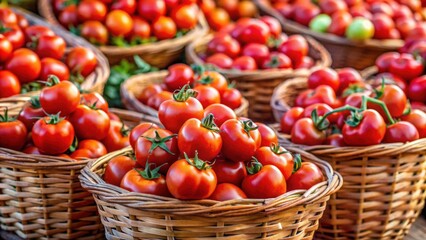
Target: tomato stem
x,y
160,142
5,117
254,166
205,80
53,119
52,80
198,69
366,99
196,162
184,93
275,148
353,88
297,159
124,130
208,122
74,144
322,123
249,125
149,174
35,102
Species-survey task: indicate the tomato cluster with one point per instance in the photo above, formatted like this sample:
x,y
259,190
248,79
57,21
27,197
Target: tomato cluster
x,y
253,44
31,53
340,109
356,19
211,87
63,122
127,22
201,154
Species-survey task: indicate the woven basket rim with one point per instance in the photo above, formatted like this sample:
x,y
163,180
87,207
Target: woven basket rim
x,y
368,72
389,44
324,61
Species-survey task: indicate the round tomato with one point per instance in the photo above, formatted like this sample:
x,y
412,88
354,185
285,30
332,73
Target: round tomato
x,y
276,61
164,28
264,181
401,132
129,6
220,112
9,84
151,9
277,156
15,36
51,66
36,31
244,63
218,18
95,32
82,61
13,132
25,64
96,149
89,123
383,61
253,31
213,79
32,150
139,130
290,118
273,24
347,77
145,181
50,46
6,49
229,171
325,76
65,93
207,95
296,47
140,30
185,16
227,191
119,23
267,135
393,97
94,99
69,16
225,44
370,129
31,112
418,119
335,139
259,52
22,21
406,66
117,137
305,177
117,168
178,76
156,100
305,132
219,60
321,94
7,16
232,98
91,10
417,89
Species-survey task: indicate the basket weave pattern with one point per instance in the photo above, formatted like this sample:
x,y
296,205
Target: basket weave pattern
x,y
127,215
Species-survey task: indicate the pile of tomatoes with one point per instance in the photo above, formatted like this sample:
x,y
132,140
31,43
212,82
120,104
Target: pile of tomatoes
x,y
356,19
253,44
127,22
31,53
202,154
340,109
62,122
212,88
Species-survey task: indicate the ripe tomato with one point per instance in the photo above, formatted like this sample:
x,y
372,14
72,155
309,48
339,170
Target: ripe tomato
x,y
31,112
51,66
52,135
119,23
159,147
401,132
15,36
81,60
213,79
151,9
91,10
276,60
178,76
240,139
277,156
384,60
94,99
9,84
244,63
13,132
7,16
145,181
227,191
207,95
191,179
406,66
89,123
224,43
273,24
391,79
207,6
418,119
264,181
117,168
370,129
253,31
305,177
25,64
259,52
6,49
185,16
220,112
305,132
290,118
148,92
117,137
80,154
321,109
232,98
219,60
164,28
129,6
174,113
321,94
296,47
335,139
36,31
267,135
96,149
95,32
156,100
139,130
50,46
393,97
69,16
229,171
417,89
347,77
340,21
31,150
218,18
140,30
325,76
65,93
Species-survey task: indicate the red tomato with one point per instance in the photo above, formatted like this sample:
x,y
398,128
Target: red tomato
x,y
389,78
31,112
95,32
325,76
56,92
141,29
277,60
401,132
91,10
331,6
80,154
340,21
129,6
52,135
7,16
406,66
290,118
321,94
51,66
225,44
418,119
94,99
321,109
347,76
229,171
117,137
393,97
277,156
6,49
69,16
148,92
240,139
50,46
119,23
221,113
273,24
417,89
383,26
185,16
264,182
267,135
307,62
25,64
96,149
296,47
156,100
227,191
32,150
259,52
220,60
89,123
207,95
218,19
117,168
139,130
9,84
405,25
13,132
191,179
244,63
164,28
15,36
37,31
253,31
305,132
307,176
179,75
335,139
370,130
145,181
200,136
213,79
151,9
304,13
81,60
383,61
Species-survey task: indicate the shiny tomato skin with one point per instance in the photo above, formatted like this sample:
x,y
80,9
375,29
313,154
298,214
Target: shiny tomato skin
x,y
401,132
29,114
95,32
80,154
14,135
50,46
218,19
52,139
31,150
335,140
148,92
7,16
151,9
347,76
173,114
232,98
227,191
89,123
244,63
290,118
394,98
384,60
133,181
187,182
215,79
224,43
370,131
164,28
273,24
6,49
15,36
269,182
304,132
129,6
277,60
418,119
237,144
406,66
281,159
69,16
296,47
254,31
119,23
9,84
305,177
339,22
321,94
267,135
179,74
141,29
51,66
417,89
325,76
96,149
139,130
37,31
229,171
81,60
94,99
220,60
25,64
91,10
185,16
259,52
156,100
221,113
117,168
207,95
117,137
65,93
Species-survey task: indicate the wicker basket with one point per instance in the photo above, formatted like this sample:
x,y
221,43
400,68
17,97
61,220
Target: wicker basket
x,y
127,215
96,80
344,52
136,84
384,185
159,54
258,86
41,196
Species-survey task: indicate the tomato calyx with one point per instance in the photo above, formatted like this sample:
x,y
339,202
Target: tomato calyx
x,y
198,69
35,102
4,29
149,174
125,131
366,99
208,122
248,125
379,92
184,93
274,42
206,80
160,142
353,88
274,62
297,159
254,166
53,119
5,117
197,162
275,148
52,80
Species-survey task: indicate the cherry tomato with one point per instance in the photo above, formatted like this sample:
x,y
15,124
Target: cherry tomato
x,y
340,21
95,32
156,100
401,132
244,63
51,66
267,135
383,61
80,154
393,97
91,10
89,123
141,29
96,149
94,99
185,16
62,97
290,118
277,156
406,66
151,9
179,75
307,176
31,112
164,28
296,47
117,137
264,181
225,44
305,132
227,191
145,181
325,76
69,16
240,139
417,89
129,6
276,61
220,60
259,52
191,179
218,18
117,168
9,84
220,112
13,132
119,23
232,98
25,64
6,49
418,119
15,36
370,130
253,31
81,60
50,46
139,130
207,95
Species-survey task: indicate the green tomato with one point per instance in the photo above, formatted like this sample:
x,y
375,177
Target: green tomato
x,y
360,29
320,23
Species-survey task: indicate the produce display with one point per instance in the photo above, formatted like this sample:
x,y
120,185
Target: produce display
x,y
127,23
358,20
192,157
29,54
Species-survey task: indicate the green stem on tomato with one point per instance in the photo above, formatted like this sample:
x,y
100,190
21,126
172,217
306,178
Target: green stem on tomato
x,y
366,99
208,122
320,122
